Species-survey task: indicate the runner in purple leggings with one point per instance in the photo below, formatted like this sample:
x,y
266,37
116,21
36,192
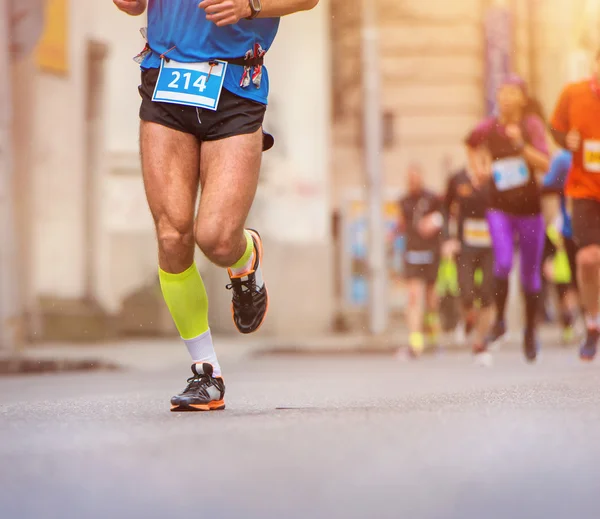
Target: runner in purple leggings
x,y
511,147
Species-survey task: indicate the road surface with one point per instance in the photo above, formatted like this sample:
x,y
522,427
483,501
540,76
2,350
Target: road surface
x,y
316,437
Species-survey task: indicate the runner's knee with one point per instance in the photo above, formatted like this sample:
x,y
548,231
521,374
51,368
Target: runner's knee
x,y
531,282
414,295
174,235
589,258
502,267
486,298
218,243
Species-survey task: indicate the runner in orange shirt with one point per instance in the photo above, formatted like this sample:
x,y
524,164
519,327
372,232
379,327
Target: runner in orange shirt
x,y
576,126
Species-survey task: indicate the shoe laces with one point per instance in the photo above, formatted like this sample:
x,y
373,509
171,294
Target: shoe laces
x,y
196,384
244,289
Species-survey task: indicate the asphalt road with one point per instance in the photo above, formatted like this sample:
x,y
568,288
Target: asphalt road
x,y
365,437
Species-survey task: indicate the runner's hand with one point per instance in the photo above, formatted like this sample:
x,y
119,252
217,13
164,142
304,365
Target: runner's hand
x,y
131,7
450,248
514,133
225,12
573,140
481,167
430,225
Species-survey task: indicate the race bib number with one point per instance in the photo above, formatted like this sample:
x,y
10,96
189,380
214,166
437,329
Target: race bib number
x,y
476,233
190,84
591,156
510,173
414,257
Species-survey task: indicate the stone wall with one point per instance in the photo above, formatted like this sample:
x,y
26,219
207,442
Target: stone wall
x,y
431,66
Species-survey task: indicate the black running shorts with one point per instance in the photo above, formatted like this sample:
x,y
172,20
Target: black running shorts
x,y
586,222
235,115
426,270
469,260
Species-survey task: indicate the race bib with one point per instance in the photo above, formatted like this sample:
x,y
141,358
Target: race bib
x,y
414,257
591,156
191,84
510,173
476,233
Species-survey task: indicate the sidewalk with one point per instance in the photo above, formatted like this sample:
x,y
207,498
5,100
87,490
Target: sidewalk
x,y
150,354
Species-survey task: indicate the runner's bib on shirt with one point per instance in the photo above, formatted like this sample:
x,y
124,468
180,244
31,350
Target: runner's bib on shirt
x,y
414,257
476,233
591,156
510,173
191,84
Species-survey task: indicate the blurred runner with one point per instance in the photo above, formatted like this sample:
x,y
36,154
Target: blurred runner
x,y
576,127
448,290
560,245
422,221
467,201
204,93
517,148
558,274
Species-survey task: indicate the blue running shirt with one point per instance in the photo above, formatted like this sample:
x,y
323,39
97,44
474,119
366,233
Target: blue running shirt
x,y
555,181
183,25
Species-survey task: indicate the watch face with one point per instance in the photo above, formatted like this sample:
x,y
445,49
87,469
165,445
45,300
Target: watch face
x,y
256,5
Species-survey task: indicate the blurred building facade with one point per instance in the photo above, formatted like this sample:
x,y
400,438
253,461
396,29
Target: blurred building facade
x,y
433,71
87,242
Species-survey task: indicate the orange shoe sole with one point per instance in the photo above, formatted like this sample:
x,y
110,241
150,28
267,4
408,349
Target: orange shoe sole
x,y
217,405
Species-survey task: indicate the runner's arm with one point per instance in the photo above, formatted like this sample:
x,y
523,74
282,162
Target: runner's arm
x,y
536,158
536,151
132,7
476,141
433,221
559,137
554,181
229,12
450,194
449,199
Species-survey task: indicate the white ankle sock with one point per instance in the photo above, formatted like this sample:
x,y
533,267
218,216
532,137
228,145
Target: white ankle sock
x,y
245,268
202,350
592,322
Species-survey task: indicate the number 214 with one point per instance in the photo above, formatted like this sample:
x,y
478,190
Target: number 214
x,y
200,83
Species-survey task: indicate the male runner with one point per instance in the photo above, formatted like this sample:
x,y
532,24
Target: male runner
x,y
204,94
576,126
467,200
422,221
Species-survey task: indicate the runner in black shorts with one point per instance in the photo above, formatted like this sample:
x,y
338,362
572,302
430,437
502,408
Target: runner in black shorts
x,y
576,127
467,202
204,94
422,220
236,115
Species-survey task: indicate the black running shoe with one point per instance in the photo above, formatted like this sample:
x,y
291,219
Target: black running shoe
x,y
589,348
203,392
469,326
531,346
498,332
250,300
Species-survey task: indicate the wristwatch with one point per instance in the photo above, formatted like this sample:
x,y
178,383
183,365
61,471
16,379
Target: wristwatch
x,y
255,7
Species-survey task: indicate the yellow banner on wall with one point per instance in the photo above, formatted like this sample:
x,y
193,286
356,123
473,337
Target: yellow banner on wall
x,y
52,52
